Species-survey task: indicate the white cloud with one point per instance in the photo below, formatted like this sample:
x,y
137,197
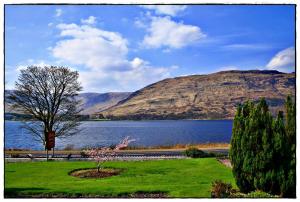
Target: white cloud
x,y
171,10
143,20
92,47
163,32
12,72
283,60
139,23
58,12
104,56
32,62
137,62
90,20
239,47
136,78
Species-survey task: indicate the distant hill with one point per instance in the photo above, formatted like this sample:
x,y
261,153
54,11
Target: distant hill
x,y
8,109
212,96
91,102
97,102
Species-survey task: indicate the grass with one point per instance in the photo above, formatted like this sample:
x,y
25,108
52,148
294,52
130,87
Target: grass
x,y
191,178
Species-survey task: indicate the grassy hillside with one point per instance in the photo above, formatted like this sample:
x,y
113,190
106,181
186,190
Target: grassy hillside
x,y
212,96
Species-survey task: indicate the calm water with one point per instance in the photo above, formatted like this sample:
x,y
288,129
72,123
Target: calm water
x,y
146,133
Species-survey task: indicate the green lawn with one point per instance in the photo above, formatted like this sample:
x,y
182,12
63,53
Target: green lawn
x,y
177,178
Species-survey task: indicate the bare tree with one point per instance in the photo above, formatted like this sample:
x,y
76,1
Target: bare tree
x,y
48,94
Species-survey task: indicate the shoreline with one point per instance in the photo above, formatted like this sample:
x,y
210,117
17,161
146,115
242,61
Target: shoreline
x,y
211,146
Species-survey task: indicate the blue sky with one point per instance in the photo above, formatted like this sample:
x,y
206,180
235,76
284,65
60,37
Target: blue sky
x,y
124,48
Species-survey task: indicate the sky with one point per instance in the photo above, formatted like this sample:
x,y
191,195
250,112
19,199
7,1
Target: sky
x,y
122,48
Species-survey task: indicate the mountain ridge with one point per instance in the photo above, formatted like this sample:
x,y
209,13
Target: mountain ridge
x,y
210,96
206,96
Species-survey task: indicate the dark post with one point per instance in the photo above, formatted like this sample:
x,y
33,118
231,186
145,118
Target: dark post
x,y
50,142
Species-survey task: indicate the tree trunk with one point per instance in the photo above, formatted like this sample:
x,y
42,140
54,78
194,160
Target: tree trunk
x,y
46,139
98,167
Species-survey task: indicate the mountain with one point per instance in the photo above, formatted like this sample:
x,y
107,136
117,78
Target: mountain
x,y
90,102
212,96
96,102
7,107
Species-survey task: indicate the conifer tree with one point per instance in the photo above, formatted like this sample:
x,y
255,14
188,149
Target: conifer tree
x,y
261,146
280,156
263,149
291,148
239,145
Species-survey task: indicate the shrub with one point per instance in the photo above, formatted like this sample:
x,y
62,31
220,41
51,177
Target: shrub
x,y
259,194
224,190
221,189
237,194
254,194
197,153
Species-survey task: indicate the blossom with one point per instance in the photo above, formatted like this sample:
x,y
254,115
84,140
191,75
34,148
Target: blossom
x,y
100,155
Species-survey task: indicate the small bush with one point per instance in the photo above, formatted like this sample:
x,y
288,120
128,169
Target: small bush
x,y
255,194
237,195
221,189
224,190
197,153
259,194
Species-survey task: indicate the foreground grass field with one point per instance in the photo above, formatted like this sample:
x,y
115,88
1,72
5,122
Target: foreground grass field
x,y
176,178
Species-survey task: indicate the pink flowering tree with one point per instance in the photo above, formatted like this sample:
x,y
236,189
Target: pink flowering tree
x,y
100,155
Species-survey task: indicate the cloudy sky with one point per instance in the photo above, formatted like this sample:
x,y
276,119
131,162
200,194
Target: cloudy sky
x,y
124,48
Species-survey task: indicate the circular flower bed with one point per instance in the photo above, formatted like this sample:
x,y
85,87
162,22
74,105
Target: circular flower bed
x,y
93,173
